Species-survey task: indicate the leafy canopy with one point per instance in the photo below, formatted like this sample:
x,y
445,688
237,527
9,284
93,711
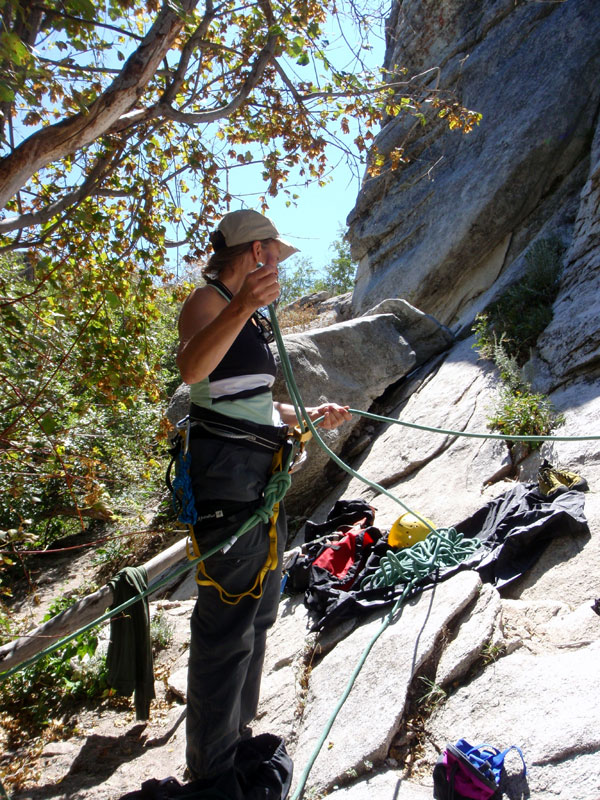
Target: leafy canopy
x,y
112,112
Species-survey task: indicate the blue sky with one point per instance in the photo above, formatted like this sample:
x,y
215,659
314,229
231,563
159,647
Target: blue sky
x,y
314,222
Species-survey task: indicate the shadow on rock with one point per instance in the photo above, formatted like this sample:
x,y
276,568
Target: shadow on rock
x,y
100,757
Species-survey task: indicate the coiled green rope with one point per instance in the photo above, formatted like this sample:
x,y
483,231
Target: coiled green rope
x,y
444,547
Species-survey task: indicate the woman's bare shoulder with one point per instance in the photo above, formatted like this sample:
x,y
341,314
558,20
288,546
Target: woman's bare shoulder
x,y
201,306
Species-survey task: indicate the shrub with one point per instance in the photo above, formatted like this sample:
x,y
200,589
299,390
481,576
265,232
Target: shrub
x,y
54,684
524,413
505,333
519,316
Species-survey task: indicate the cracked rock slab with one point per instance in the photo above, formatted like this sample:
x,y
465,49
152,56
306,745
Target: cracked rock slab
x,y
281,691
547,704
376,704
472,636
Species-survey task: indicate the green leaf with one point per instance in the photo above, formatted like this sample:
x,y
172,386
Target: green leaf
x,y
296,46
6,93
49,424
84,8
112,299
14,48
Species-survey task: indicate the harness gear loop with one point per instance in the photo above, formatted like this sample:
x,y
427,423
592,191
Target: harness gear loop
x,y
181,486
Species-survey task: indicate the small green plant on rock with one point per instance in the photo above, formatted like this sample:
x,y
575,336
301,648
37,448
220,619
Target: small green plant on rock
x,y
433,695
524,413
161,631
491,652
515,321
506,332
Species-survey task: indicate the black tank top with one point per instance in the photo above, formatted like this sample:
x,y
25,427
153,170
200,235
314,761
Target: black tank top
x,y
248,368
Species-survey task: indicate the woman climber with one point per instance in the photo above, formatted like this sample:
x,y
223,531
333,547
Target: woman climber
x,y
236,429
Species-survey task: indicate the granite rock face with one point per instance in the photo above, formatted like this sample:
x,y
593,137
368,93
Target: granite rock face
x,y
444,228
570,345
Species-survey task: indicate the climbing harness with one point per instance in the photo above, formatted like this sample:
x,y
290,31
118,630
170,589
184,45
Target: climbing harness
x,y
288,446
275,490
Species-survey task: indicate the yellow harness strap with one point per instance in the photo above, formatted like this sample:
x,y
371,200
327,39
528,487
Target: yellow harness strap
x,y
255,591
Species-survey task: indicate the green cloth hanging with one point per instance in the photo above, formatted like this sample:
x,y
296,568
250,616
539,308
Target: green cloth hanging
x,y
129,657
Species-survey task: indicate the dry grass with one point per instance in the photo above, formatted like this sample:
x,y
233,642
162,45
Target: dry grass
x,y
295,320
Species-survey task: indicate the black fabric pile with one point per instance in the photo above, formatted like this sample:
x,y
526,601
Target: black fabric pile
x,y
263,771
514,530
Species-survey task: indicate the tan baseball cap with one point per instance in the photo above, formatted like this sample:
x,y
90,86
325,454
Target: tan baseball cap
x,y
246,225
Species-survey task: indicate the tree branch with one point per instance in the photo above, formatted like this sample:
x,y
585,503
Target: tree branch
x,y
265,57
52,12
187,52
55,141
287,81
97,172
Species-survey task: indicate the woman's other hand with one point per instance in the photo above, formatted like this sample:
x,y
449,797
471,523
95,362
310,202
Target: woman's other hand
x,y
333,415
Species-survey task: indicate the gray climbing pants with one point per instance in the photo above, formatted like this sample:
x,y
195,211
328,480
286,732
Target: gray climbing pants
x,y
227,643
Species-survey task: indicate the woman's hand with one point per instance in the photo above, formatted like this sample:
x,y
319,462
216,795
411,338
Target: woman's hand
x,y
333,415
260,288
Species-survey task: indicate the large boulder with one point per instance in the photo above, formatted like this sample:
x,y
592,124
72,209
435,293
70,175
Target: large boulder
x,y
546,704
447,225
426,335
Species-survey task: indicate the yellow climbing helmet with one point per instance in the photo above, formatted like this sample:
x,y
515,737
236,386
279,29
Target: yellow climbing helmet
x,y
408,530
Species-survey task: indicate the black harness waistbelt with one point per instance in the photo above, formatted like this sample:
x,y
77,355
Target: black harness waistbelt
x,y
209,424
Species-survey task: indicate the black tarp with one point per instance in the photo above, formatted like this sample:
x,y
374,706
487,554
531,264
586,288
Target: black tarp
x,y
514,530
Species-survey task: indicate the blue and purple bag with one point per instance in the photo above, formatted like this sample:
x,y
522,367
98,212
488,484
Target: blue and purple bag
x,y
464,772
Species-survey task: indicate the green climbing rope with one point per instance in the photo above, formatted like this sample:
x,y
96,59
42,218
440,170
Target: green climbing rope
x,y
444,547
309,425
474,434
